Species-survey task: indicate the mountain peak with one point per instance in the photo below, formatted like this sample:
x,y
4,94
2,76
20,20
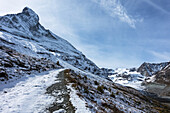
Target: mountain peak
x,y
30,16
27,9
26,22
29,12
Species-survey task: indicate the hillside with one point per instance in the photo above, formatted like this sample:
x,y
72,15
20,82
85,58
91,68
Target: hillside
x,y
23,33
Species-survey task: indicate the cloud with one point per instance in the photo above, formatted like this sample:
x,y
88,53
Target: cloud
x,y
163,56
116,10
156,6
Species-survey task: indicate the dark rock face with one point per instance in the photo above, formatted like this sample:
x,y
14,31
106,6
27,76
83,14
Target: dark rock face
x,y
163,76
31,14
148,69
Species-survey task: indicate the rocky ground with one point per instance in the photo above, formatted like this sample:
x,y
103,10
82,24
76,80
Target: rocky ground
x,y
105,96
61,93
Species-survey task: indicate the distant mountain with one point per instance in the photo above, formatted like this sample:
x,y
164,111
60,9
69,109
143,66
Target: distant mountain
x,y
157,80
23,33
128,77
148,69
163,76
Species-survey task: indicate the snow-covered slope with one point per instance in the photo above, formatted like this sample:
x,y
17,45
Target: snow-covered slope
x,y
15,65
23,33
28,95
128,77
104,96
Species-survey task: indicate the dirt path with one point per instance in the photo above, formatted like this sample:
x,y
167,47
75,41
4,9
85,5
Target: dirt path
x,y
60,91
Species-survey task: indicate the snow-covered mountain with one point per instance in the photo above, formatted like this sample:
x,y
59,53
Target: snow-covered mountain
x,y
23,32
128,77
159,83
157,80
163,76
148,69
138,78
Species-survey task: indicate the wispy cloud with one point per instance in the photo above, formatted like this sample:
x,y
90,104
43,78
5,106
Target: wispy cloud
x,y
116,10
156,6
163,56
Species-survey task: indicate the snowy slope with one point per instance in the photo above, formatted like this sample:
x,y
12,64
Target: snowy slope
x,y
104,96
28,95
128,77
24,33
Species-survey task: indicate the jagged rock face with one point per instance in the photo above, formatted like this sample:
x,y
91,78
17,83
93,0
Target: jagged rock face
x,y
24,33
29,16
163,76
148,69
23,24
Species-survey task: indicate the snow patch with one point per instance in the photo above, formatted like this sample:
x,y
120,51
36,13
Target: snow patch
x,y
129,78
29,95
60,111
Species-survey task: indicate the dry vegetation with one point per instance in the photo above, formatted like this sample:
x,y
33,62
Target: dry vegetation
x,y
104,96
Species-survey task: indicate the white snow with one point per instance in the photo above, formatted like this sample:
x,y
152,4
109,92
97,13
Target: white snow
x,y
60,111
78,103
28,96
134,80
151,79
1,34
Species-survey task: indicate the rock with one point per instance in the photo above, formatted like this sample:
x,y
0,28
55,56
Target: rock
x,y
8,64
3,74
148,69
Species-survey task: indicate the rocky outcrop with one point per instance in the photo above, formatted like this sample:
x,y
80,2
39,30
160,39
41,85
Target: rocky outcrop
x,y
148,69
163,76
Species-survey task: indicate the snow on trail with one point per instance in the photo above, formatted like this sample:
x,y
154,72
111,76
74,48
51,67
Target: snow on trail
x,y
28,96
78,103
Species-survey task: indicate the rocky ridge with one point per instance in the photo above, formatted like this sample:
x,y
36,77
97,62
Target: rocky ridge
x,y
149,69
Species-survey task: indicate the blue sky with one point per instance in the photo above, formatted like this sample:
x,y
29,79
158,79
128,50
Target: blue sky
x,y
112,33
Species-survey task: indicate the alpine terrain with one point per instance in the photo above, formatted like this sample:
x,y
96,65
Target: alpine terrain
x,y
41,72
